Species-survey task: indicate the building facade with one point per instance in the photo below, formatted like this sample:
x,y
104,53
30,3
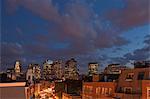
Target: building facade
x,y
98,90
71,71
70,96
131,84
11,74
145,89
114,69
52,69
13,90
17,68
33,73
93,68
141,64
48,70
58,69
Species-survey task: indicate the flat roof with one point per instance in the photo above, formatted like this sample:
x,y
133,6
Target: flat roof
x,y
13,84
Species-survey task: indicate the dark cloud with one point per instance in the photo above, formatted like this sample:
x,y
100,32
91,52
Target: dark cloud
x,y
9,53
42,38
107,41
118,60
37,50
140,54
115,50
19,31
136,55
135,13
147,40
44,9
11,49
78,25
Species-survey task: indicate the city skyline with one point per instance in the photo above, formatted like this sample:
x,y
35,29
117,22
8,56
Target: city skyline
x,y
89,31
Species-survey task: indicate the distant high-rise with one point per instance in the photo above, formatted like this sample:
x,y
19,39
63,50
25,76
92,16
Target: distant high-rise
x,y
48,70
52,69
33,73
37,71
58,69
93,68
71,71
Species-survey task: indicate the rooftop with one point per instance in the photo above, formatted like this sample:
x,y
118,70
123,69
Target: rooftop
x,y
13,84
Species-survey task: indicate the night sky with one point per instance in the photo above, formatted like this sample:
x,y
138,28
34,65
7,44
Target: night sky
x,y
105,31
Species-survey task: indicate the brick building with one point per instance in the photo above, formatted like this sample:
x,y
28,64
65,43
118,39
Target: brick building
x,y
145,89
132,78
131,84
13,90
70,96
98,90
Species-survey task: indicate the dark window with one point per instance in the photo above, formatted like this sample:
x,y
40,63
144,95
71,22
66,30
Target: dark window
x,y
148,93
33,78
128,90
28,77
141,76
130,76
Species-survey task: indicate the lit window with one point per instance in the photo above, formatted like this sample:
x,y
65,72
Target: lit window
x,y
103,91
98,90
90,89
84,89
106,91
148,93
129,76
110,91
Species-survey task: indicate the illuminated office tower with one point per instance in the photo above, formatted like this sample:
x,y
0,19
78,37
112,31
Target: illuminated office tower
x,y
48,70
71,71
93,68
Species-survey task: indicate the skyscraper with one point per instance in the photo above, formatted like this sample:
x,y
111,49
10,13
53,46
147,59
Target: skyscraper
x,y
37,71
33,73
71,71
58,69
48,70
93,68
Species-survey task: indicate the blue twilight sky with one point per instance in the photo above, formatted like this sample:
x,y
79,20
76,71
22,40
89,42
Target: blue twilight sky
x,y
105,31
